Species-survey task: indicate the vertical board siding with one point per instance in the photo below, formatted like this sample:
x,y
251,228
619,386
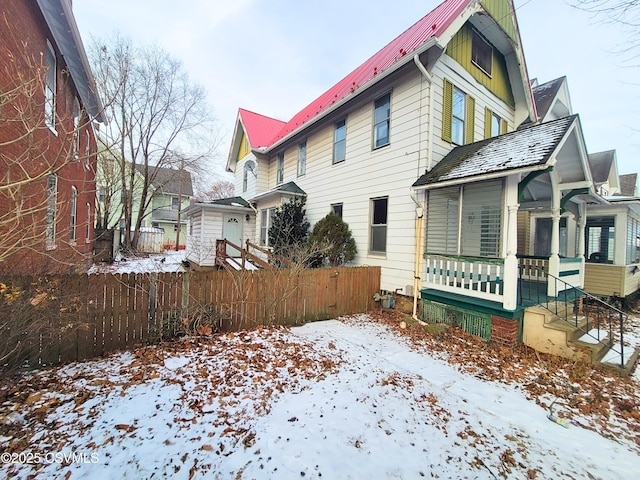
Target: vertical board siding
x,y
89,316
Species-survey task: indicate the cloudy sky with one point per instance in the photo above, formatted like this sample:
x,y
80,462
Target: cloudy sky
x,y
275,56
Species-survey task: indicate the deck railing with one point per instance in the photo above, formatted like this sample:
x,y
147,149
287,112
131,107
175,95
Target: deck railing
x,y
604,322
480,278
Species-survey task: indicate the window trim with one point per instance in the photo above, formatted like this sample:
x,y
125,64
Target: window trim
x,y
87,238
386,120
342,141
50,87
50,220
280,169
265,224
478,46
73,215
337,208
372,225
302,158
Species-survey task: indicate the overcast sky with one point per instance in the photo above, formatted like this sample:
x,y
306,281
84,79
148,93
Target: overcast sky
x,y
275,56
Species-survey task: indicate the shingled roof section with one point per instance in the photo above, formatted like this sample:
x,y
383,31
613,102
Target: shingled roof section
x,y
600,165
169,181
260,129
543,96
529,147
628,184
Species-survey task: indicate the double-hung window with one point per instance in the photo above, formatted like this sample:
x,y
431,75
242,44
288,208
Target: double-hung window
x,y
381,121
50,87
302,158
378,236
266,216
280,169
52,194
340,141
73,220
458,116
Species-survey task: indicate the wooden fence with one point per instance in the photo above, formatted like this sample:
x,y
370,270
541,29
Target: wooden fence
x,y
80,316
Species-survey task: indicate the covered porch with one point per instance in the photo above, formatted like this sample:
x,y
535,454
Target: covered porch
x,y
505,218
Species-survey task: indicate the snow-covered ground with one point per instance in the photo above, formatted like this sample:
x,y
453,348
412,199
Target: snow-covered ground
x,y
168,261
350,398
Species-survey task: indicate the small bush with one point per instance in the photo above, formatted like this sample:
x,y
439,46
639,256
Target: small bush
x,y
332,242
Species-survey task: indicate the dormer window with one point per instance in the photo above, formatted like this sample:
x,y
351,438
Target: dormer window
x,y
481,53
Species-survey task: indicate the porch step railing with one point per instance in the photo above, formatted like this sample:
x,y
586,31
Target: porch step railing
x,y
532,286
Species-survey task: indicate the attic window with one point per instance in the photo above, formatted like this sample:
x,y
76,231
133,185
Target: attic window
x,y
481,53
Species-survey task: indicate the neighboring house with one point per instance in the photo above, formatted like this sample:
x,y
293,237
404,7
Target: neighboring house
x,y
47,173
170,193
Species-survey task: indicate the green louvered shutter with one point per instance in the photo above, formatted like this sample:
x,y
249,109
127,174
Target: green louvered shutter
x,y
503,126
447,110
470,120
487,122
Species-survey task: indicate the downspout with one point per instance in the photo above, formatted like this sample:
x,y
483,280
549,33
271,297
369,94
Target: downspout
x,y
419,207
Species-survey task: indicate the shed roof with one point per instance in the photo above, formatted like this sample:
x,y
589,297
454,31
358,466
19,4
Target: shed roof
x,y
528,147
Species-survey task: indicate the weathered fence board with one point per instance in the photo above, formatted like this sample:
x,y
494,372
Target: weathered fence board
x,y
66,318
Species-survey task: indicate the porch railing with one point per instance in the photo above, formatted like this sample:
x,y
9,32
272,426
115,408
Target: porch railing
x,y
480,278
604,322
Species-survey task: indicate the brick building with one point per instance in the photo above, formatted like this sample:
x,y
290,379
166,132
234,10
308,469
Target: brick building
x,y
48,110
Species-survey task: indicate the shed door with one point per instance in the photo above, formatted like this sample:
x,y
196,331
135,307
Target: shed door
x,y
232,231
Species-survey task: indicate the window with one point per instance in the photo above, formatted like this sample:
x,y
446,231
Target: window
x,y
340,141
599,239
73,210
302,158
52,193
265,222
337,209
175,203
280,169
249,166
87,237
378,239
381,118
474,229
458,117
542,240
481,53
76,129
50,87
493,124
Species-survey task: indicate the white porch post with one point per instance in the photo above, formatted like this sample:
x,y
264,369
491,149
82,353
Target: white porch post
x,y
510,292
554,257
582,225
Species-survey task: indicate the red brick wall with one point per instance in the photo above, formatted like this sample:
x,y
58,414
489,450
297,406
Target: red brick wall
x,y
504,330
32,150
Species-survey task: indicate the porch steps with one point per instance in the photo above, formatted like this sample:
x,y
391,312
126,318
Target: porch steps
x,y
574,338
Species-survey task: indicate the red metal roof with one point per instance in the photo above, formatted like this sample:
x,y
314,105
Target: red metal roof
x,y
431,25
259,129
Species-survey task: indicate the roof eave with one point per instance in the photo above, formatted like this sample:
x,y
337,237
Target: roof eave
x,y
482,177
432,42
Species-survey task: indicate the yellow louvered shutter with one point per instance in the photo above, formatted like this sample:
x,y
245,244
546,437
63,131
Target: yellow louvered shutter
x,y
447,110
487,122
470,120
503,126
